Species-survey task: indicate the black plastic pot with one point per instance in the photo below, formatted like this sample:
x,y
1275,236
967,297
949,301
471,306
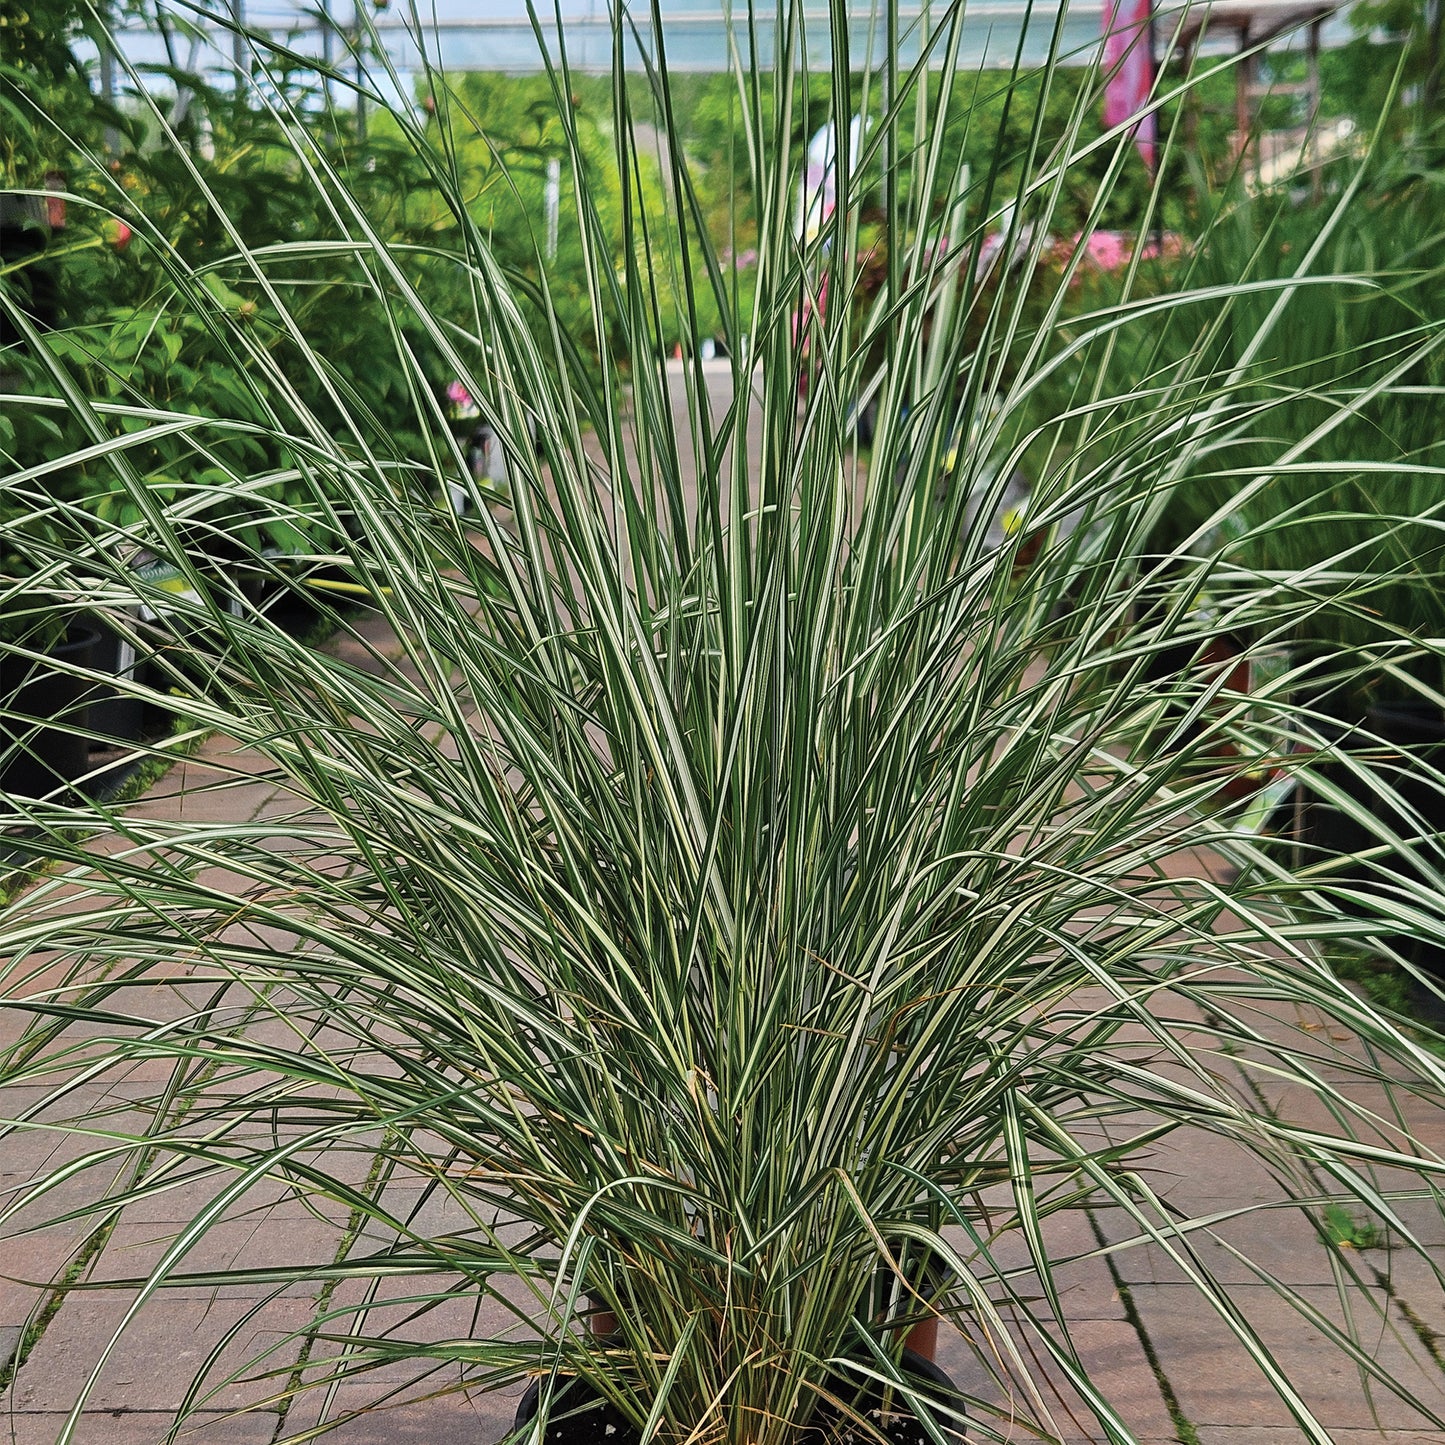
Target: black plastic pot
x,y
295,610
24,235
114,714
181,650
1390,740
888,1412
580,1416
37,759
891,1307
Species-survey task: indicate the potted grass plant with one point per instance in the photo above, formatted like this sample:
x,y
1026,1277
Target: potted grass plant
x,y
721,877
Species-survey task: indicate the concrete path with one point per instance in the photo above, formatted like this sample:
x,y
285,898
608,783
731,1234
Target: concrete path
x,y
1170,1366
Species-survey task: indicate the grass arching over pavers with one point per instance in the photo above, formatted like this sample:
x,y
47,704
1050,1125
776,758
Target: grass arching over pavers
x,y
137,777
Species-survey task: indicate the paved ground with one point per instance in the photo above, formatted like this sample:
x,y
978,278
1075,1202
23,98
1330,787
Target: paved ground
x,y
1171,1368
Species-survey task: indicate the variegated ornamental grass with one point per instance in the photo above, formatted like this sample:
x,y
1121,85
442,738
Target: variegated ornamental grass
x,y
738,871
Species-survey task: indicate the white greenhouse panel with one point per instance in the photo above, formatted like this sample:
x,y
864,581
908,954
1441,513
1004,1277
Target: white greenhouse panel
x,y
698,35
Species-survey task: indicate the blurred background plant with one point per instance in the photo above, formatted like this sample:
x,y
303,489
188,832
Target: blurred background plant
x,y
1346,370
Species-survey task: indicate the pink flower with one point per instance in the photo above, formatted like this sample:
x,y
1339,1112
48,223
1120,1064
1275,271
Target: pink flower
x,y
457,394
1107,250
117,234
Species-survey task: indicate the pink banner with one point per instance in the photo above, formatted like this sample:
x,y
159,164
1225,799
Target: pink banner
x,y
1129,65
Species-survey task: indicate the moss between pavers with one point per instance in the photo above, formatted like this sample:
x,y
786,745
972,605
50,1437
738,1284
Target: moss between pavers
x,y
32,1331
1184,1431
1430,1339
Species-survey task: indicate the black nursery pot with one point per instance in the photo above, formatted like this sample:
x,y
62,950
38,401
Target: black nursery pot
x,y
117,715
888,1411
580,1416
37,760
24,235
1398,734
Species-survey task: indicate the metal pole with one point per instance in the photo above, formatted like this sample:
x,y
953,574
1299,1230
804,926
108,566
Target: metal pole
x,y
107,90
238,44
554,205
1434,58
1155,66
360,97
328,48
238,41
1243,77
1312,135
